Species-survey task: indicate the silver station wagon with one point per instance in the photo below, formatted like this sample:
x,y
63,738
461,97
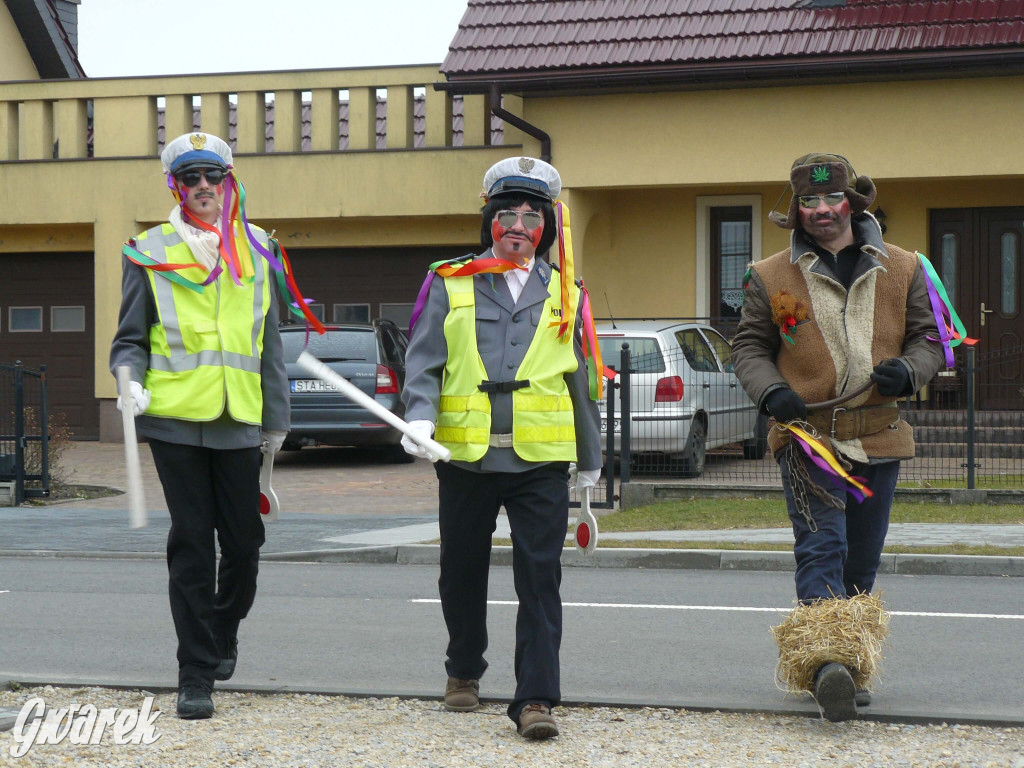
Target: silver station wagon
x,y
684,397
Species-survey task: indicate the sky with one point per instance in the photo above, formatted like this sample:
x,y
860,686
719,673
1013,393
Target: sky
x,y
166,37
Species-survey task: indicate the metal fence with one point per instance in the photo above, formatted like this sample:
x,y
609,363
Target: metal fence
x,y
968,423
24,436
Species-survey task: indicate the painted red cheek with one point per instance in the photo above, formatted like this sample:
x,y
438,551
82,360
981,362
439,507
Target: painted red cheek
x,y
220,188
535,236
497,231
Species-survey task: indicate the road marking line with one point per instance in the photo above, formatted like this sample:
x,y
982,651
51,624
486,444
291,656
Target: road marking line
x,y
662,607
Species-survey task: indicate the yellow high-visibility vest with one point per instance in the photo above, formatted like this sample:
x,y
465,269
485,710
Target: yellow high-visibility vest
x,y
205,353
543,423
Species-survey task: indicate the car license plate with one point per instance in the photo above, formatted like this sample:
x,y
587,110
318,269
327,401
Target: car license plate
x,y
604,424
311,385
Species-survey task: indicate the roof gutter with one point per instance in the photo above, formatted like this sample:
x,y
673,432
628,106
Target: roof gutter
x,y
704,75
518,122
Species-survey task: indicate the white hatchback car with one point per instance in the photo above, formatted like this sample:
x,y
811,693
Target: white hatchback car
x,y
684,397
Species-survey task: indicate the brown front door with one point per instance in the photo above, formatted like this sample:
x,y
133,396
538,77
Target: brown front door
x,y
977,252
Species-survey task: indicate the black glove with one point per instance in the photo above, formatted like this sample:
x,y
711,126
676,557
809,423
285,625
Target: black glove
x,y
786,405
892,378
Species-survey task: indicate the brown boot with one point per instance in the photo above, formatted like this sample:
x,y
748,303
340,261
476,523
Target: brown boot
x,y
536,722
462,695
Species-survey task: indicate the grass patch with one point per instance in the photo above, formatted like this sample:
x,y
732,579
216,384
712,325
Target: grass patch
x,y
1011,482
725,514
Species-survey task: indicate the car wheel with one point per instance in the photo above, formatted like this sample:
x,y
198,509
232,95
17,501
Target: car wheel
x,y
696,450
757,446
291,445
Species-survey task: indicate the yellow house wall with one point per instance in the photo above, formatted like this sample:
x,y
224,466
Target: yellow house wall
x,y
919,129
15,62
632,165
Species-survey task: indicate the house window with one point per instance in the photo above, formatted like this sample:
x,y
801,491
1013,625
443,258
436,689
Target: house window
x,y
317,311
351,313
67,319
728,239
25,319
731,249
399,314
1010,262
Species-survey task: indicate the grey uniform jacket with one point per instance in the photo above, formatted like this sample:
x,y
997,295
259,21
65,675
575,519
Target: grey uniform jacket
x,y
504,331
131,347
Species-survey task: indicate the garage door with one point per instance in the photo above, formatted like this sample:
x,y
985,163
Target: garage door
x,y
47,318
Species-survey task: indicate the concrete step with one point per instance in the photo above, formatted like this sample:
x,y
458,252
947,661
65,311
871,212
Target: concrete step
x,y
958,434
959,450
943,418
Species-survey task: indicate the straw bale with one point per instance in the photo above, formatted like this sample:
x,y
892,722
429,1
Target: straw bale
x,y
848,631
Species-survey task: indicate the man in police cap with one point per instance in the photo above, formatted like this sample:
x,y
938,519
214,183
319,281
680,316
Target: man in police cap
x,y
838,316
496,372
198,329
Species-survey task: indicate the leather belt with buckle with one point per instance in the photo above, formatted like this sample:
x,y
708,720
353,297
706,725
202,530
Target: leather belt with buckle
x,y
850,423
500,440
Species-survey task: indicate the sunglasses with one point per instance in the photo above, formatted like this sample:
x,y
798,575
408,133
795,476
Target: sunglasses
x,y
813,201
191,178
531,219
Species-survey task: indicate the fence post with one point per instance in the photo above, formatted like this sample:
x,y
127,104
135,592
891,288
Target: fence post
x,y
970,416
19,434
624,414
44,432
609,440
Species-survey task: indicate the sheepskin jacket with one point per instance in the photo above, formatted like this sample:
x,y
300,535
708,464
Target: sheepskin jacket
x,y
884,314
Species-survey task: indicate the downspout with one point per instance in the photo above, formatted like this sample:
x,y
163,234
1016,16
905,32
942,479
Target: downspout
x,y
518,122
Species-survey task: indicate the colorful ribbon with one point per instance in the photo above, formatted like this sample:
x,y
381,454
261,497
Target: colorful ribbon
x,y
951,329
566,271
824,459
234,221
591,349
459,267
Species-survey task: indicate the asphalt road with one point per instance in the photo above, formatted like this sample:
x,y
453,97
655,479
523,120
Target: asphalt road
x,y
683,638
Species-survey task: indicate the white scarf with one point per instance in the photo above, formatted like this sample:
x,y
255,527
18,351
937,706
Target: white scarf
x,y
203,244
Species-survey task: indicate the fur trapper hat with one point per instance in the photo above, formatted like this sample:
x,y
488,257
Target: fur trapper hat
x,y
819,174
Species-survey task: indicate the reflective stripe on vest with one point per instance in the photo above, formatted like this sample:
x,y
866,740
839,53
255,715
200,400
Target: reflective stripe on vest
x,y
543,420
206,350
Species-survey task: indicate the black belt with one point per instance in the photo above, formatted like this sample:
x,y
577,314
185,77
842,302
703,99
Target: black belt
x,y
502,386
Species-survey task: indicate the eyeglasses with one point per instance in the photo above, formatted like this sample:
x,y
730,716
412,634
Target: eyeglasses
x,y
531,219
813,201
191,178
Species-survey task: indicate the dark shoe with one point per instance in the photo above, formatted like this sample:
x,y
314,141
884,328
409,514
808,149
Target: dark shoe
x,y
862,698
462,695
536,722
834,691
226,668
195,702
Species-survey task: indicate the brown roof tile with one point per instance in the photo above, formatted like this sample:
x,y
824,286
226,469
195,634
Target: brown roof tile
x,y
512,37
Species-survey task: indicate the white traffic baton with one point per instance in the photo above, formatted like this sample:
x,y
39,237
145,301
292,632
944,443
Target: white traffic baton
x,y
137,515
313,366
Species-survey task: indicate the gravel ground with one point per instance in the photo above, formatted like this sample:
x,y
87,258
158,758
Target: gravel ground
x,y
305,730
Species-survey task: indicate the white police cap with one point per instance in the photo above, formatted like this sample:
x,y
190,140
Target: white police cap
x,y
522,175
190,150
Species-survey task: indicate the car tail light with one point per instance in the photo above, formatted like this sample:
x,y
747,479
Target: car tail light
x,y
670,390
387,382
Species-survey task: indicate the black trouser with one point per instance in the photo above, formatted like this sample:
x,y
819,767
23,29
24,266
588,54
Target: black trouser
x,y
537,504
209,491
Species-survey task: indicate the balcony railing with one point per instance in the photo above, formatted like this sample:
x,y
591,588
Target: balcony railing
x,y
345,110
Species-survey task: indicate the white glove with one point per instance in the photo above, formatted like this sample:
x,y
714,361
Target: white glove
x,y
423,428
139,395
587,478
271,440
573,474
